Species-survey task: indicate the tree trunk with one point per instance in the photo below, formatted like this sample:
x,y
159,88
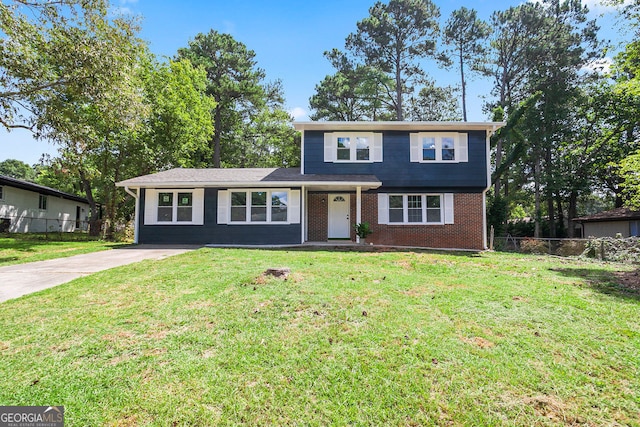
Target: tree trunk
x,y
217,131
560,211
536,180
94,220
551,211
497,183
464,89
572,212
399,114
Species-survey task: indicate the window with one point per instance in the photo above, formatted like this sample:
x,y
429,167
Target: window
x,y
185,207
180,206
165,207
414,208
439,147
1,193
634,228
352,147
42,202
259,206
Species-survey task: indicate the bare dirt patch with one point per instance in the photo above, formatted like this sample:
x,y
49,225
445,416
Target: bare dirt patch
x,y
630,280
478,342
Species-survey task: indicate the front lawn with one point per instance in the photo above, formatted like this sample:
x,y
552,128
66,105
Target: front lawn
x,y
357,338
21,248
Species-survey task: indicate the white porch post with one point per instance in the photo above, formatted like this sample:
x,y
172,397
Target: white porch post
x,y
303,214
358,209
136,196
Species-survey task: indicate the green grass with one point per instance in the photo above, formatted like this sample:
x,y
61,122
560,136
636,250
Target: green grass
x,y
21,248
357,338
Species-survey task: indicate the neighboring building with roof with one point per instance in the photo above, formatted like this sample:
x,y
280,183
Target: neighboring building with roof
x,y
26,207
622,221
417,184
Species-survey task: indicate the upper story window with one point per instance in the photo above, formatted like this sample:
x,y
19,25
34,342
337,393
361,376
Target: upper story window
x,y
42,202
181,207
352,147
1,192
429,147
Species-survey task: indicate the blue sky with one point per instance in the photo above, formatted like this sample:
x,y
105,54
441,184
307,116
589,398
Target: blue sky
x,y
289,38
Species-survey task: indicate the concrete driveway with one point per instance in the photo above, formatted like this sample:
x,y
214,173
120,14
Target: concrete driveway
x,y
23,279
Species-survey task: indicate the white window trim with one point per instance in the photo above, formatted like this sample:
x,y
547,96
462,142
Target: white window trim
x,y
461,146
405,209
151,206
446,208
269,191
331,147
43,197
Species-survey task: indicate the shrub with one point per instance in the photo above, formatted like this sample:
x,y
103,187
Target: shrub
x,y
534,246
614,249
571,248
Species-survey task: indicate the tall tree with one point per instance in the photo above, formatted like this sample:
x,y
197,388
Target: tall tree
x,y
514,43
434,103
354,92
17,169
393,38
466,34
234,82
52,48
630,173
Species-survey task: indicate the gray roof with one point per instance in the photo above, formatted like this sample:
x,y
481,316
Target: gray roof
x,y
396,125
618,214
41,189
221,177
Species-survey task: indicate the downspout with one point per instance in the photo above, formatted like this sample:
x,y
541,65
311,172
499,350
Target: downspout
x,y
358,209
303,214
490,132
135,226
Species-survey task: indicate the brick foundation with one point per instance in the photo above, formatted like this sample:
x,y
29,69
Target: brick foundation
x,y
465,233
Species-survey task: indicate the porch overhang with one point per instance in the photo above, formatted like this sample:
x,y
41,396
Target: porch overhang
x,y
252,178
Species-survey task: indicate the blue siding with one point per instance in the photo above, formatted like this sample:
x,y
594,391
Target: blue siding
x,y
212,233
397,171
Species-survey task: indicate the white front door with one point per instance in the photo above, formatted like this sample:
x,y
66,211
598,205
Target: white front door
x,y
339,225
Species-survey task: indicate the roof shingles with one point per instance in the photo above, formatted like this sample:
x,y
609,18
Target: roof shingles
x,y
220,176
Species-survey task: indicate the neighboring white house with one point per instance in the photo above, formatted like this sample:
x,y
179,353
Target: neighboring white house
x,y
26,207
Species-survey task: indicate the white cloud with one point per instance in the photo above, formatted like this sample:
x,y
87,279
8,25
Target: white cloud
x,y
597,6
298,113
600,66
120,11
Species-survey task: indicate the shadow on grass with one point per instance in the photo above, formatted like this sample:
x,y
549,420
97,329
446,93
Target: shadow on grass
x,y
624,284
354,248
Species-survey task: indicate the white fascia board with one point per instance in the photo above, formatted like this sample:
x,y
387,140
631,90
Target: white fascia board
x,y
411,126
253,184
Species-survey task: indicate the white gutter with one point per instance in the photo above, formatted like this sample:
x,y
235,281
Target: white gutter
x,y
135,224
253,184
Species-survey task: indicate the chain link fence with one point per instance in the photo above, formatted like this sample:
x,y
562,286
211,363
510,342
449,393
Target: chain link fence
x,y
603,248
55,228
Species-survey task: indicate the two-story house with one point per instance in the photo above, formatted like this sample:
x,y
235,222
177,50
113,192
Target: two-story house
x,y
419,184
